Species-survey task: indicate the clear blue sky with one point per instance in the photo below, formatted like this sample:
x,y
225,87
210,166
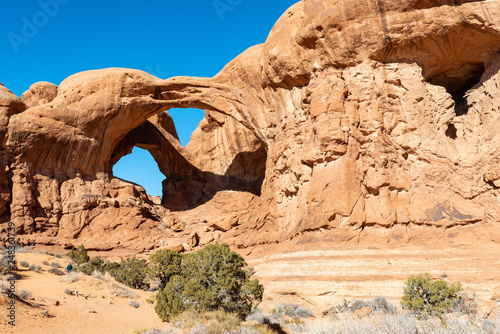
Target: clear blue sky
x,y
49,40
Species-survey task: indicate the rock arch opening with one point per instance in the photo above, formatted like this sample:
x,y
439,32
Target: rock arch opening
x,y
222,154
186,121
139,167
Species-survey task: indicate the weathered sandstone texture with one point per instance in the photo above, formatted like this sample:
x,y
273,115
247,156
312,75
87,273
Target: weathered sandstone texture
x,y
355,121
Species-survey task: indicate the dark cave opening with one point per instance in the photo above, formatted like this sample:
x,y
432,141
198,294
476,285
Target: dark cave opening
x,y
451,131
457,81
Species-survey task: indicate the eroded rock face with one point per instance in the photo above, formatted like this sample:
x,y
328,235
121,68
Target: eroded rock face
x,y
363,121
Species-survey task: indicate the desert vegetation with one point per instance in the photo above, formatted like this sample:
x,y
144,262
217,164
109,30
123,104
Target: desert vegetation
x,y
207,280
211,291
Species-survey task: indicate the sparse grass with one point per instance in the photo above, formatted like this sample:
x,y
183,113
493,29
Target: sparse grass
x,y
24,264
214,322
56,271
24,294
394,324
134,303
36,268
122,292
68,291
148,330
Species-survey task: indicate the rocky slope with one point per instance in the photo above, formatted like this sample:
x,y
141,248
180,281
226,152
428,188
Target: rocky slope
x,y
364,121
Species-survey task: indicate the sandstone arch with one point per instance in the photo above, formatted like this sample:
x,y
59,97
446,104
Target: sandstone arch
x,y
348,109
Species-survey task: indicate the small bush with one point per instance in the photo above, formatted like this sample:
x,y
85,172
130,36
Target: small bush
x,y
381,304
45,262
134,303
55,265
425,297
5,262
304,312
258,317
359,304
73,277
68,291
4,287
24,264
24,294
79,255
36,268
58,255
56,271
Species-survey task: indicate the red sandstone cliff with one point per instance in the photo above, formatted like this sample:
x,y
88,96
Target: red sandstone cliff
x,y
359,120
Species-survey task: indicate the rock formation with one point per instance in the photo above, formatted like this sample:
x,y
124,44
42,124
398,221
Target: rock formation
x,y
360,121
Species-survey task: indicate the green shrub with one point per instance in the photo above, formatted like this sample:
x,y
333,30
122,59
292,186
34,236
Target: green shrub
x,y
427,297
210,279
79,255
132,272
98,264
24,264
163,265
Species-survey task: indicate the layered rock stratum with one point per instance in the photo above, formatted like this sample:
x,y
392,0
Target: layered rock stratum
x,y
356,121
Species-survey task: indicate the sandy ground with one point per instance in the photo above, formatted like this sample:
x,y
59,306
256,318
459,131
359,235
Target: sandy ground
x,y
311,276
100,312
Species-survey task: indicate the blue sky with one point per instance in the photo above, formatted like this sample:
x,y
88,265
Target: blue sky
x,y
49,40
